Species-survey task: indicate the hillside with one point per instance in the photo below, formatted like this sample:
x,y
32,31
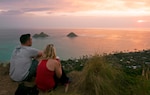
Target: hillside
x,y
107,74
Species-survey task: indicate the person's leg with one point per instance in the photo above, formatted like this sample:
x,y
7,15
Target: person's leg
x,y
32,70
64,79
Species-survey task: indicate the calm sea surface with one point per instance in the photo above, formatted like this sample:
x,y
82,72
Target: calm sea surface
x,y
90,41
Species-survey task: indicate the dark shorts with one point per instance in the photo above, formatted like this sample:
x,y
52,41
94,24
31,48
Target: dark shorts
x,y
32,70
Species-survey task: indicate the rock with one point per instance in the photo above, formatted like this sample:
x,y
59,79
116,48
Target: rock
x,y
41,35
72,35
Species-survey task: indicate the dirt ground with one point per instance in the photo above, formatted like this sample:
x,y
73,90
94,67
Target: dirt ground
x,y
8,87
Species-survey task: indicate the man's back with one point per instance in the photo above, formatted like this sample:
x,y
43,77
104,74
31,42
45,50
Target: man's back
x,y
21,61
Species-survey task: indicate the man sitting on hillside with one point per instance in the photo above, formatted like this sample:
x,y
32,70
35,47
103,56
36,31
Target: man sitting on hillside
x,y
22,65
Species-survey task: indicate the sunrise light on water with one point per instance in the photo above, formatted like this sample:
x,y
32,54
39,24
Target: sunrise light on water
x,y
105,21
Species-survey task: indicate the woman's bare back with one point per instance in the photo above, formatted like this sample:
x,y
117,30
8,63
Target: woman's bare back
x,y
54,65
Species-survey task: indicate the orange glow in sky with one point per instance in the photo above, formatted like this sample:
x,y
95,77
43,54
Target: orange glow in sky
x,y
77,7
140,21
75,13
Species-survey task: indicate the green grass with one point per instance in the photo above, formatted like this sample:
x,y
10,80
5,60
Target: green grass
x,y
97,78
101,75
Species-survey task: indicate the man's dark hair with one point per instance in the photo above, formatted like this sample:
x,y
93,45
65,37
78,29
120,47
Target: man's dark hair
x,y
24,38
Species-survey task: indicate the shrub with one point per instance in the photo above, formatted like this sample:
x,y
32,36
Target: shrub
x,y
97,78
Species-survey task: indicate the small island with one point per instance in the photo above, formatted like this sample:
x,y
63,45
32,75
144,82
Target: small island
x,y
72,35
41,35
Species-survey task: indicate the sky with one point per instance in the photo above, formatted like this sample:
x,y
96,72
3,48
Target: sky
x,y
74,13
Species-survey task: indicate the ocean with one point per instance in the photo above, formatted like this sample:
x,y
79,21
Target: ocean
x,y
88,42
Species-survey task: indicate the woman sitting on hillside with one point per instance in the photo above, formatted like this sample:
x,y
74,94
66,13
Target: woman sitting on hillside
x,y
49,71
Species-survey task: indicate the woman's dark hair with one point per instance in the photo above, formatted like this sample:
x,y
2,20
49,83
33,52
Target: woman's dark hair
x,y
24,38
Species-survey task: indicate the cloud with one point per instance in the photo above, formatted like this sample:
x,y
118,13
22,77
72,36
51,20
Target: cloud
x,y
35,9
9,1
109,4
23,11
11,12
75,7
73,13
26,6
